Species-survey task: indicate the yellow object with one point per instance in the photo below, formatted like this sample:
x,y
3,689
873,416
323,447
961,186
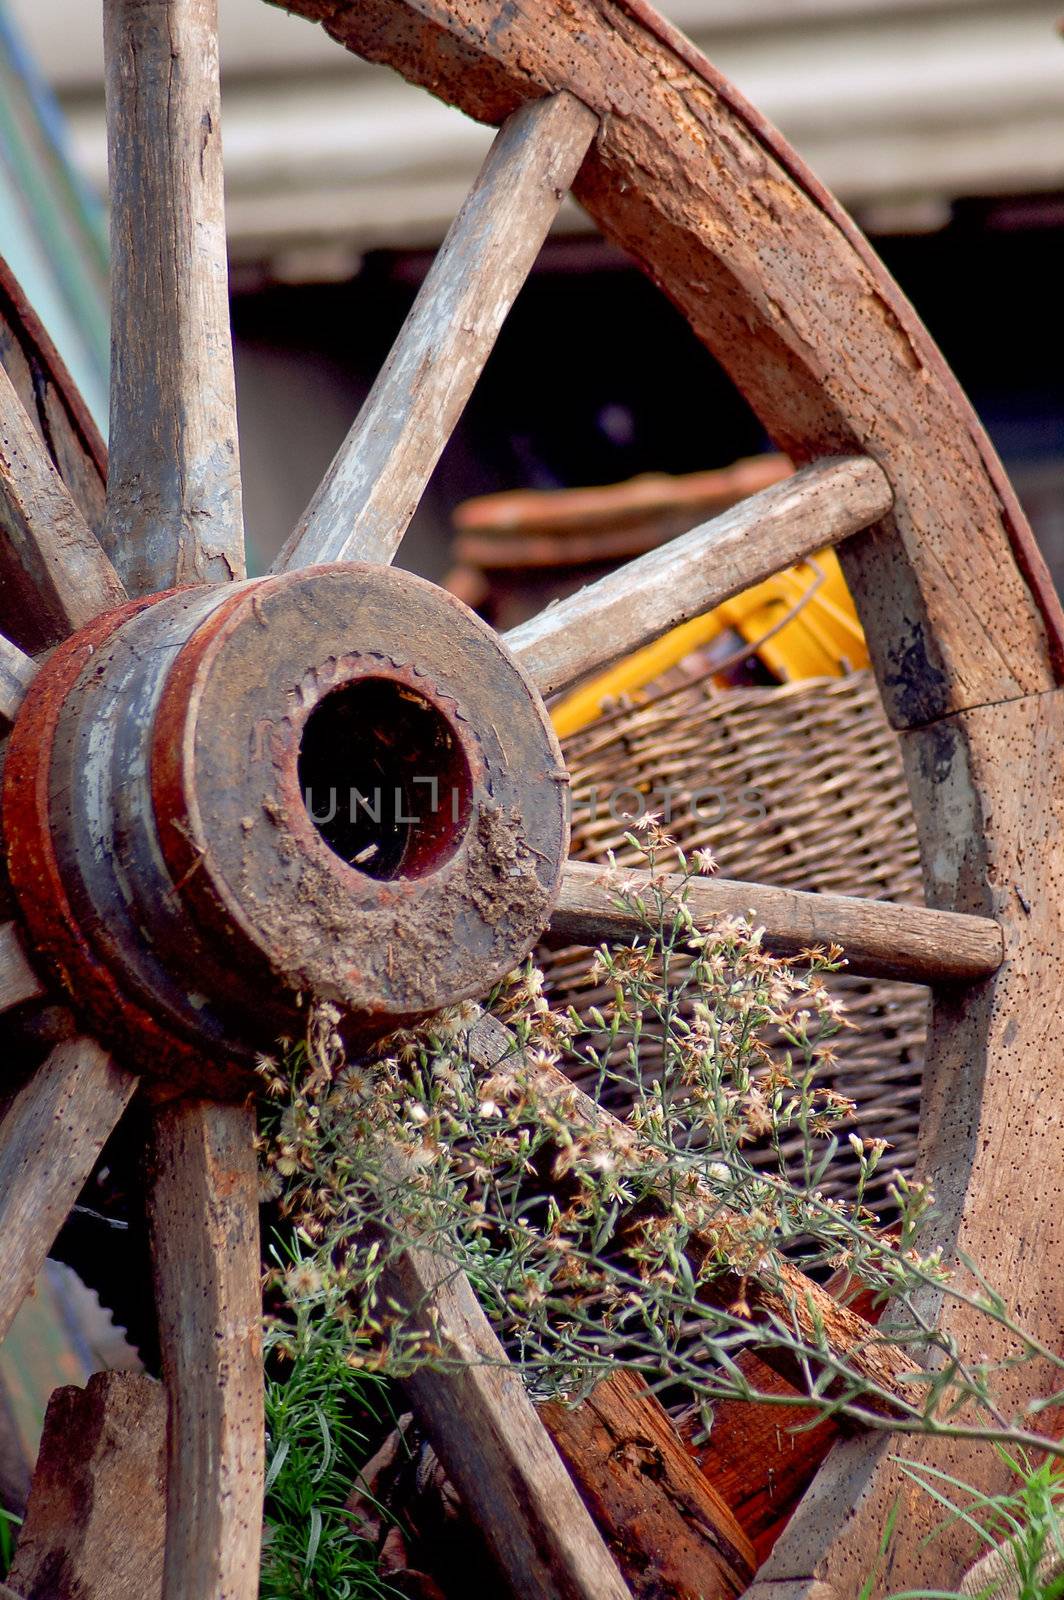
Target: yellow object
x,y
802,623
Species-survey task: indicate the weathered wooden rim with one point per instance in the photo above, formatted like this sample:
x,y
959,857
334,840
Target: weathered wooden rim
x,y
1029,557
967,635
966,678
36,343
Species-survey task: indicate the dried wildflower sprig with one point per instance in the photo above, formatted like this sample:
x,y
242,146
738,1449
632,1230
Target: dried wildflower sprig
x,y
652,1240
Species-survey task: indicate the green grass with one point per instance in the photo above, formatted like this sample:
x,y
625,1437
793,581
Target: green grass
x,y
317,1411
8,1524
1029,1515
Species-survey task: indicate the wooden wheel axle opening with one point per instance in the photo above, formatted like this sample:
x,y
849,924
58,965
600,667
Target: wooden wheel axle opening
x,y
171,883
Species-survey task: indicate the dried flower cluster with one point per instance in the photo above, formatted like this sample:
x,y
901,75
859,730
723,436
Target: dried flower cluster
x,y
590,1239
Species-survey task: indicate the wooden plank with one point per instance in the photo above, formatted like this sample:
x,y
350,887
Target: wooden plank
x,y
690,575
915,944
366,499
779,283
50,1138
760,1457
68,433
673,1533
496,1449
203,1211
18,981
173,490
96,1519
17,671
755,1459
16,675
790,1298
59,558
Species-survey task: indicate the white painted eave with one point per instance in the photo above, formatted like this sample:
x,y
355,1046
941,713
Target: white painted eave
x,y
894,103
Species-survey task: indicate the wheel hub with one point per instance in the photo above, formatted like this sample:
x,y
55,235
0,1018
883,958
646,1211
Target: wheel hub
x,y
334,783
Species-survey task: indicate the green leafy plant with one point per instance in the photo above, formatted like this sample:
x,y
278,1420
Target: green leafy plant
x,y
316,1409
8,1524
1020,1528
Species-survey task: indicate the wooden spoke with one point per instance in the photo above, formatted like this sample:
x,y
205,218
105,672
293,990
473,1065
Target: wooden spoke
x,y
18,981
674,1534
173,490
496,1449
690,575
880,939
47,537
364,503
205,1240
16,675
50,1137
95,1518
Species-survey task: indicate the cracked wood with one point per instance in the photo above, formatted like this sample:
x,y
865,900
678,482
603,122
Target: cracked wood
x,y
204,1216
672,1533
173,490
44,535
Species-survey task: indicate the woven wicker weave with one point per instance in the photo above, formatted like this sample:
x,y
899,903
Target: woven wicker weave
x,y
807,792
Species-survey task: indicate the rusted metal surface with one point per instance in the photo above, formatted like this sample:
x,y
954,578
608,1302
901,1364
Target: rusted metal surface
x,y
160,842
43,893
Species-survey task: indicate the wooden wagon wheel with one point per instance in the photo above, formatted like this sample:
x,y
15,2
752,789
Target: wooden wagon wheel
x,y
166,876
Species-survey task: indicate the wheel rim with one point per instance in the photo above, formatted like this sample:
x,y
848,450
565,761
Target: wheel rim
x,y
965,634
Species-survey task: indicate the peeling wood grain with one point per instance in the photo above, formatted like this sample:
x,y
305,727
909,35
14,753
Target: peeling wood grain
x,y
204,1216
673,1535
880,939
173,493
96,1518
16,674
365,501
18,981
50,1136
49,398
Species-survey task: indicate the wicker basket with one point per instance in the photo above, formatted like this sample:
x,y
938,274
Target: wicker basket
x,y
801,786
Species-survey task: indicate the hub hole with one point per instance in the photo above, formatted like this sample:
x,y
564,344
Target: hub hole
x,y
384,779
